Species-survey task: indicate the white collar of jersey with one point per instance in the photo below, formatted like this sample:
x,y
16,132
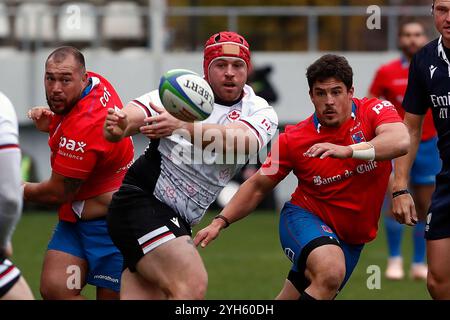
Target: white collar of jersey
x,y
95,82
318,125
442,55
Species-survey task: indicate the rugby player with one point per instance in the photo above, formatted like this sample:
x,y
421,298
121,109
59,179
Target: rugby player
x,y
341,156
86,171
390,83
428,87
166,191
12,284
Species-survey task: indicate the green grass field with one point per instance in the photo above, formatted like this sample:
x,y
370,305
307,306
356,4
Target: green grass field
x,y
245,262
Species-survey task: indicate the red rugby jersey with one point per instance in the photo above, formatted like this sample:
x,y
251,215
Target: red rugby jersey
x,y
79,149
390,82
346,194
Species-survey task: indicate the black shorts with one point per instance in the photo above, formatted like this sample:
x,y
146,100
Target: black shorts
x,y
438,218
138,223
9,275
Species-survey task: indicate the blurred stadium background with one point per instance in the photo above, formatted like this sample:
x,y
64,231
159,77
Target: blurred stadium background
x,y
133,42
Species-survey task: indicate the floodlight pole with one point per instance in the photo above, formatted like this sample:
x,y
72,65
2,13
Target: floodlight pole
x,y
157,13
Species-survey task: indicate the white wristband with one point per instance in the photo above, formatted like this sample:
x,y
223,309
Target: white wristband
x,y
363,151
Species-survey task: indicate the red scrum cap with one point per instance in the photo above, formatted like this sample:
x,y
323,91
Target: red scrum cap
x,y
225,44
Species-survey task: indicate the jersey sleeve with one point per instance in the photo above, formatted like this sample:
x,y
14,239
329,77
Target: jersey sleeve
x,y
416,100
143,103
263,124
278,163
9,130
382,112
376,88
10,193
78,152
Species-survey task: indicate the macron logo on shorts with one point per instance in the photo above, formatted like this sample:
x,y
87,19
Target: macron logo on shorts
x,y
155,238
175,221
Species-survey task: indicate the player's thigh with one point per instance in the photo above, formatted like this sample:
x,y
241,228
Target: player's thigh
x,y
107,294
312,246
301,234
152,236
325,261
175,265
135,287
104,259
438,217
19,291
438,255
63,273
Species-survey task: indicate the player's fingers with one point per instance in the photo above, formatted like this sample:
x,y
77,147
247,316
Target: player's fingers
x,y
397,212
111,111
155,119
111,120
413,218
318,152
327,154
199,237
313,148
157,108
206,240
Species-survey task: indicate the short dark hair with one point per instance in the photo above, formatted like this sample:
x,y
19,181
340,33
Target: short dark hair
x,y
61,53
408,21
330,66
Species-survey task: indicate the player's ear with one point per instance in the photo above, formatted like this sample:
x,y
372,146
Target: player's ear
x,y
85,76
351,91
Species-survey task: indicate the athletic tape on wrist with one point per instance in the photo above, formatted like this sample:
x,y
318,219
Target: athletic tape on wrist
x,y
363,154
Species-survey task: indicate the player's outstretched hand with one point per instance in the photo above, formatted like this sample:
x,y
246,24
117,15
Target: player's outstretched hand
x,y
116,123
161,125
208,234
325,150
404,209
42,117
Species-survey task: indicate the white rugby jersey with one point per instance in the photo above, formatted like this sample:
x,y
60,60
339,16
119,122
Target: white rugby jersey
x,y
189,184
9,131
10,175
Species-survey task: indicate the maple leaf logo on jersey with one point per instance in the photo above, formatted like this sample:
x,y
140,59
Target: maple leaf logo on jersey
x,y
234,115
358,137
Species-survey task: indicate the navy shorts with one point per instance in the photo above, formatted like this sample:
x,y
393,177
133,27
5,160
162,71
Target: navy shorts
x,y
300,233
438,218
89,240
427,163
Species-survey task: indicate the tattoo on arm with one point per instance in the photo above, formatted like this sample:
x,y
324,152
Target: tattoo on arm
x,y
71,186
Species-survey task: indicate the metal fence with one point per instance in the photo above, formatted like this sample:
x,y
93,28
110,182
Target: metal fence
x,y
157,33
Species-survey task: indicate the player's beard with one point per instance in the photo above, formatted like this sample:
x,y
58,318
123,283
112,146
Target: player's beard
x,y
67,107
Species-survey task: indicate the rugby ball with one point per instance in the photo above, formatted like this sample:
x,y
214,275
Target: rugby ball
x,y
186,95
